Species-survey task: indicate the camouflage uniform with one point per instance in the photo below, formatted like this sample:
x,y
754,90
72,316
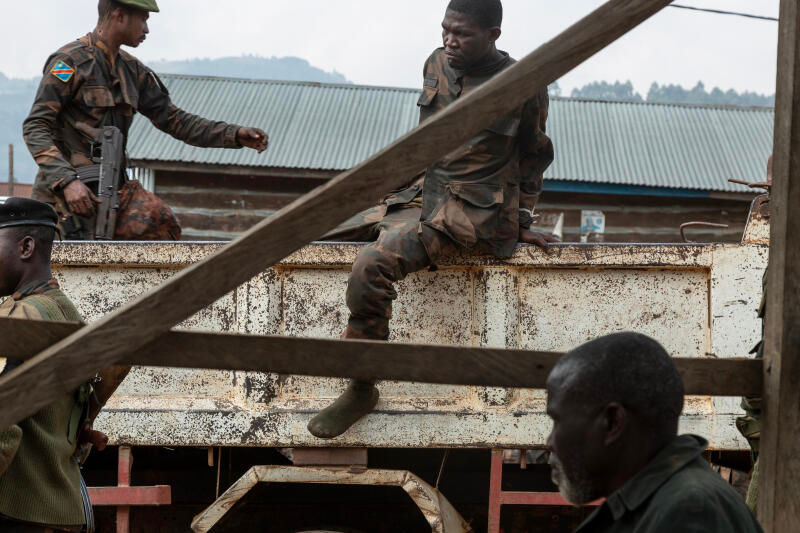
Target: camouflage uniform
x,y
750,424
475,198
81,84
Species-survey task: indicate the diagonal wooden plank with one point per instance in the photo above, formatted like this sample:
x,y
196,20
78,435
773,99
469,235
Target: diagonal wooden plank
x,y
65,365
455,365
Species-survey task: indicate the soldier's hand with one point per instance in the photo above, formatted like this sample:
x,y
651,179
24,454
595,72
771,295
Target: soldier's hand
x,y
542,240
96,438
80,200
253,138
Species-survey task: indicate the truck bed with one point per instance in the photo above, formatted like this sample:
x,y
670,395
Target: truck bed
x,y
698,300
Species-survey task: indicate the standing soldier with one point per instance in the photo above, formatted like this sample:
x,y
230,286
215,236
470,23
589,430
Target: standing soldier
x,y
41,489
478,198
91,83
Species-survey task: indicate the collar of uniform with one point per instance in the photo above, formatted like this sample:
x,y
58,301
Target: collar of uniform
x,y
487,69
667,462
101,44
36,287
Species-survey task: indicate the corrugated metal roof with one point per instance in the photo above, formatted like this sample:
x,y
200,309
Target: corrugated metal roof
x,y
311,126
659,145
334,127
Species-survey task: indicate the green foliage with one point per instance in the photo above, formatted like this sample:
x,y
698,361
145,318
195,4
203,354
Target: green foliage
x,y
699,95
602,90
670,94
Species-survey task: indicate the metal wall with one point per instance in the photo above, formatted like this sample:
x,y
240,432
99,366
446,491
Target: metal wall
x,y
697,300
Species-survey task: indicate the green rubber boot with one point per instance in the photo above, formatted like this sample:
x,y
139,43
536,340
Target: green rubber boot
x,y
358,400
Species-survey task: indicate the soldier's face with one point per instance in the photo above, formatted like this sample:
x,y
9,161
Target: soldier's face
x,y
10,272
574,444
465,42
135,27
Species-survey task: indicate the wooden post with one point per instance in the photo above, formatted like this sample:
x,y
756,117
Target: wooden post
x,y
11,170
64,366
779,502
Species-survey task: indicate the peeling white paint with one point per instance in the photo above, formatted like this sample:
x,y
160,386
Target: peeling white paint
x,y
696,299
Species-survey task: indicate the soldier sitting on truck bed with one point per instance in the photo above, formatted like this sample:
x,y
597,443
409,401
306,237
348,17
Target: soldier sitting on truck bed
x,y
479,198
92,83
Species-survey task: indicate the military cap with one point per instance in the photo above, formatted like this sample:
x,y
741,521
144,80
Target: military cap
x,y
144,5
25,212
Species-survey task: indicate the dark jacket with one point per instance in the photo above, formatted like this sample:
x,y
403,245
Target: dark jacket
x,y
677,492
39,478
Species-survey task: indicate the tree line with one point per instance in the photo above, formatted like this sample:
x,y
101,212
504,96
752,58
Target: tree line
x,y
667,93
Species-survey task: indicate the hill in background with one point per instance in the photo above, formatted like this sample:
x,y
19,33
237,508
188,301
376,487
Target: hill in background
x,y
16,95
261,68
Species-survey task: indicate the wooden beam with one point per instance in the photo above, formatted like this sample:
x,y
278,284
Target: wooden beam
x,y
64,366
455,365
779,502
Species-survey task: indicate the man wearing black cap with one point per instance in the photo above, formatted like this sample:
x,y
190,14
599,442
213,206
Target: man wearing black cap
x,y
40,481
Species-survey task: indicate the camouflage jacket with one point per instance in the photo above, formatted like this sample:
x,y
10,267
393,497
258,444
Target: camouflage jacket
x,y
81,84
484,191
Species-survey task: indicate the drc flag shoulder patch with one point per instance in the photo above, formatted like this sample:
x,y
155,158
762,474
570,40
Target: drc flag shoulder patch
x,y
62,71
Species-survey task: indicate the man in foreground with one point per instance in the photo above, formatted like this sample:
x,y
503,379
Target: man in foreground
x,y
91,83
615,404
479,198
40,481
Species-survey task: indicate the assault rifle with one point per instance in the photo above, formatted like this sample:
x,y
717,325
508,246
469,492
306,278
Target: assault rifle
x,y
108,176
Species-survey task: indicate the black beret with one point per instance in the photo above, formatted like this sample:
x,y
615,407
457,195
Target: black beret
x,y
26,212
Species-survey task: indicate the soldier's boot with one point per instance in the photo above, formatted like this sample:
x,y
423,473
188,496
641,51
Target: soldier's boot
x,y
358,400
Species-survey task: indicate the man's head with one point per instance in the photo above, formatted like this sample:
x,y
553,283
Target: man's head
x,y
27,229
615,402
470,29
126,20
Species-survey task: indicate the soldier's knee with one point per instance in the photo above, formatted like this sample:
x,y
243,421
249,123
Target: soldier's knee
x,y
370,279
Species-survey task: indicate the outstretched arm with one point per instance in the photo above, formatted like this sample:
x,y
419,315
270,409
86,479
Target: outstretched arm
x,y
155,104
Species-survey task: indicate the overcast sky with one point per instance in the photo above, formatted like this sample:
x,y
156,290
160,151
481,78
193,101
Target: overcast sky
x,y
382,42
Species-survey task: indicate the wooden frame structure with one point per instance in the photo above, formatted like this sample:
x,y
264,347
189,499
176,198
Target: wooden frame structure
x,y
115,338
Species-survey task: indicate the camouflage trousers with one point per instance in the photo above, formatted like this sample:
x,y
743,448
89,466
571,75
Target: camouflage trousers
x,y
401,246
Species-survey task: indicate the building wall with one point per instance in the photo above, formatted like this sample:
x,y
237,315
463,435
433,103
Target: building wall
x,y
22,190
219,206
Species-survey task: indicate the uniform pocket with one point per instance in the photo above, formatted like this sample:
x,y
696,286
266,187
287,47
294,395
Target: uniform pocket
x,y
427,96
469,212
97,96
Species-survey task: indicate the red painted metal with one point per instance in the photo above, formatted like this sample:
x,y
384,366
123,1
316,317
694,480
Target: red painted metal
x,y
124,496
498,497
127,496
495,491
124,467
